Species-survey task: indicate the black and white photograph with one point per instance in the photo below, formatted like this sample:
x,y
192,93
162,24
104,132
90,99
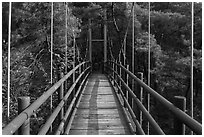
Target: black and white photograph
x,y
101,67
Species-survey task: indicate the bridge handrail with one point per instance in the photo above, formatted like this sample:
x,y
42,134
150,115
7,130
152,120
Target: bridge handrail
x,y
62,123
141,107
52,117
23,116
48,123
138,126
186,119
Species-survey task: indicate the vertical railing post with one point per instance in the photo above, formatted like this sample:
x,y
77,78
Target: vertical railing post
x,y
60,97
127,77
66,45
115,77
116,69
90,41
120,74
105,39
141,97
179,127
23,103
74,65
113,72
84,66
80,71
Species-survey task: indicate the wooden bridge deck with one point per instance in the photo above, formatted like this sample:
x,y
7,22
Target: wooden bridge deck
x,y
99,112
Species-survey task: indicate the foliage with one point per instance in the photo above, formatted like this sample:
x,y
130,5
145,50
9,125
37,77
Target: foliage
x,y
170,42
30,49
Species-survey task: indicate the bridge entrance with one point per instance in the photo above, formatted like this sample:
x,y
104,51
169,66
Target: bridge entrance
x,y
98,46
97,56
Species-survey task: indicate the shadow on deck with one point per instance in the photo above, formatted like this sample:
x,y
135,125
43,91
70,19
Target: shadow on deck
x,y
99,111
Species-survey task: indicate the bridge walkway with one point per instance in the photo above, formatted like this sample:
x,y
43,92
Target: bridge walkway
x,y
99,111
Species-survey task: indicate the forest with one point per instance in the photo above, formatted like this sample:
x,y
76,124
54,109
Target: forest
x,y
170,23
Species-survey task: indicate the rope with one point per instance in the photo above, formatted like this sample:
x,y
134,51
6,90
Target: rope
x,y
9,61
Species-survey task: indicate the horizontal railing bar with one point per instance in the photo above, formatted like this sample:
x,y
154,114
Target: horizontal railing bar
x,y
97,40
186,119
19,120
61,125
142,108
138,126
50,120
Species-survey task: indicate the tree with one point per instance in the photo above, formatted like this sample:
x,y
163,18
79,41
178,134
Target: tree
x,y
30,51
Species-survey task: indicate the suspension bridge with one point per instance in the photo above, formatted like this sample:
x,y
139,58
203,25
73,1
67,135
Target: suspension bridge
x,y
103,99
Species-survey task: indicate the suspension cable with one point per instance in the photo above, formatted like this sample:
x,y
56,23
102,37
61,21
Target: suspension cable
x,y
133,46
66,43
149,61
74,48
192,27
110,49
51,26
74,57
51,57
125,36
66,39
86,51
78,53
110,45
9,60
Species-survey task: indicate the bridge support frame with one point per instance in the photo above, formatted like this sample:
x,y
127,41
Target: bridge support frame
x,y
141,96
90,41
60,97
23,103
105,37
179,127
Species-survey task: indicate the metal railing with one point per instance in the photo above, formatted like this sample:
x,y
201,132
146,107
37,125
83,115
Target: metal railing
x,y
17,122
115,74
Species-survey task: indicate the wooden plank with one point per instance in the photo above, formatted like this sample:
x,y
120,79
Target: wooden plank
x,y
123,131
99,111
99,90
93,79
98,105
84,121
99,98
96,84
97,116
97,126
